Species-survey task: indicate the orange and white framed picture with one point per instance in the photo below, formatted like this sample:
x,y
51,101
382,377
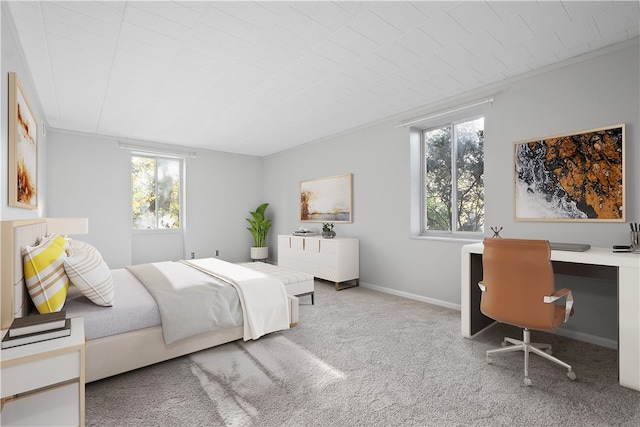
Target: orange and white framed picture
x,y
23,148
572,177
326,199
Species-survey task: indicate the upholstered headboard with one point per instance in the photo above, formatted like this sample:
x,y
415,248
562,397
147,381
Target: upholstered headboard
x,y
14,300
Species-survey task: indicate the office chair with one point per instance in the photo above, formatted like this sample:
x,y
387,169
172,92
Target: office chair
x,y
518,289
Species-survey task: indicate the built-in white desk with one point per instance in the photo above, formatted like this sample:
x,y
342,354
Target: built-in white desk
x,y
593,262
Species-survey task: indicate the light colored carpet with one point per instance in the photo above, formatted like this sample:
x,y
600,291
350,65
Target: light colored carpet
x,y
363,358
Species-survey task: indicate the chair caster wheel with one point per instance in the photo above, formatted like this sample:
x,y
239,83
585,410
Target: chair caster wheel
x,y
503,344
548,351
527,382
571,375
488,360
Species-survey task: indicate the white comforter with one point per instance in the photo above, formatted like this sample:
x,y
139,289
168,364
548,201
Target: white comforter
x,y
263,298
199,296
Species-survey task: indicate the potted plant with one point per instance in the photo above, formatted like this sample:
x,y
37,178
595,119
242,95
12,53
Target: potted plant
x,y
259,228
327,230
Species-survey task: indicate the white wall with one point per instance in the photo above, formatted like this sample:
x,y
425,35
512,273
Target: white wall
x,y
12,61
594,92
83,175
90,177
598,92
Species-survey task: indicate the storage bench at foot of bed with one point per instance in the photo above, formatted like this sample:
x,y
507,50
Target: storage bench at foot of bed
x,y
295,282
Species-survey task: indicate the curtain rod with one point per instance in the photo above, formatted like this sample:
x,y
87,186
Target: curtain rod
x,y
486,101
150,150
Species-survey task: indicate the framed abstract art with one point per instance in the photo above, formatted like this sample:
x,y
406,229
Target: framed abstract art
x,y
23,148
326,199
571,177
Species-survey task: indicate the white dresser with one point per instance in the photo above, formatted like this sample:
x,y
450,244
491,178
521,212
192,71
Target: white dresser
x,y
43,382
336,260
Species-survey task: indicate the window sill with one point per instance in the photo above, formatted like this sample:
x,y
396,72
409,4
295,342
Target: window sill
x,y
155,230
448,238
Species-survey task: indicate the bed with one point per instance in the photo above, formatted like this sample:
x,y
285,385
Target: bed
x,y
131,343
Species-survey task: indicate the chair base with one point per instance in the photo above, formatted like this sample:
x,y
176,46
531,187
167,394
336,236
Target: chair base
x,y
528,347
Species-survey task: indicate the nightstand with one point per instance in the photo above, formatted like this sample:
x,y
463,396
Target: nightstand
x,y
43,382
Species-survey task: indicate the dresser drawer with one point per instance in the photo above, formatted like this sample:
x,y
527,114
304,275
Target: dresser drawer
x,y
336,260
328,247
37,373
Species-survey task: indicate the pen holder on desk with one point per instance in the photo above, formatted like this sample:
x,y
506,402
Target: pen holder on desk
x,y
635,240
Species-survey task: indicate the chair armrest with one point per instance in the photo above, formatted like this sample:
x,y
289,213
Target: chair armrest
x,y
564,292
482,286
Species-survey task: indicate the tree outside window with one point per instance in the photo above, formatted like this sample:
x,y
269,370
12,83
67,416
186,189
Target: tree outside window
x,y
156,184
453,192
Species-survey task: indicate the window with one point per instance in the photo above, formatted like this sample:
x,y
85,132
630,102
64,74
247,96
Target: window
x,y
453,191
156,192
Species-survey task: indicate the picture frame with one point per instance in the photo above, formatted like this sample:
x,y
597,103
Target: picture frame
x,y
327,199
23,148
578,177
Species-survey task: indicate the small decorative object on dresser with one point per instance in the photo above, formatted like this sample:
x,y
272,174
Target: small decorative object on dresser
x,y
327,230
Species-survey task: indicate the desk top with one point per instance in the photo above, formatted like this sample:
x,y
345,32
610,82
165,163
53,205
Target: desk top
x,y
595,256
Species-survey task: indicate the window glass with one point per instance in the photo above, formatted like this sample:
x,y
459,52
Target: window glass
x,y
453,191
156,185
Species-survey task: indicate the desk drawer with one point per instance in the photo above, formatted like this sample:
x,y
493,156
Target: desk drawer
x,y
38,373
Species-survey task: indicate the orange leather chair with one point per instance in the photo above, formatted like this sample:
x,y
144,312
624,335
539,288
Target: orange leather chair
x,y
518,288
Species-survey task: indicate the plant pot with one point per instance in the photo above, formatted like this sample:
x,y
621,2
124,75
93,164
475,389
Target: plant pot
x,y
259,252
328,234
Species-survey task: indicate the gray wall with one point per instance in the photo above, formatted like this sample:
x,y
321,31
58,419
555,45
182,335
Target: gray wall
x,y
593,92
90,177
84,175
12,61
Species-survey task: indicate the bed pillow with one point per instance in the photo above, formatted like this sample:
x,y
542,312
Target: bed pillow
x,y
78,245
89,273
57,239
45,278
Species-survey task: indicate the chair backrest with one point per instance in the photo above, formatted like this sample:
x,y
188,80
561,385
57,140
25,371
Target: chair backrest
x,y
518,274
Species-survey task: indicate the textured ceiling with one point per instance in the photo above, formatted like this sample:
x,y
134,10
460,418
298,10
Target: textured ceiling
x,y
261,77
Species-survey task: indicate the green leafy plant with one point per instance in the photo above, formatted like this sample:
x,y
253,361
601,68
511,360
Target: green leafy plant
x,y
259,226
327,226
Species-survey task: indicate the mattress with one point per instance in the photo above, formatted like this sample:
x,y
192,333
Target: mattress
x,y
133,308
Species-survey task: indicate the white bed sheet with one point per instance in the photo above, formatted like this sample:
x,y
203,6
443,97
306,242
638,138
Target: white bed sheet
x,y
133,308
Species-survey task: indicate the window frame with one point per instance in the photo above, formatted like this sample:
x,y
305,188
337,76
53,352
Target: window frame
x,y
418,178
181,200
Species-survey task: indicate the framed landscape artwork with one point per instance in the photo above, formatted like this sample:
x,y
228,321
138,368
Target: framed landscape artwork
x,y
572,177
326,199
23,148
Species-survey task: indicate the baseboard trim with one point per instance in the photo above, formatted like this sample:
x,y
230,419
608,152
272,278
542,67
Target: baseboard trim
x,y
411,296
591,339
579,336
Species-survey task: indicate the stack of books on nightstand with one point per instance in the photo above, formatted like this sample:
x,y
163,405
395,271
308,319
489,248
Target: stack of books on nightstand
x,y
36,328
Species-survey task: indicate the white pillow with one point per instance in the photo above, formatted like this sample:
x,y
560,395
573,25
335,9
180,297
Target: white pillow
x,y
89,273
78,245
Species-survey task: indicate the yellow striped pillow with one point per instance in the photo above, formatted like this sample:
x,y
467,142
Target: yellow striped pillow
x,y
44,274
